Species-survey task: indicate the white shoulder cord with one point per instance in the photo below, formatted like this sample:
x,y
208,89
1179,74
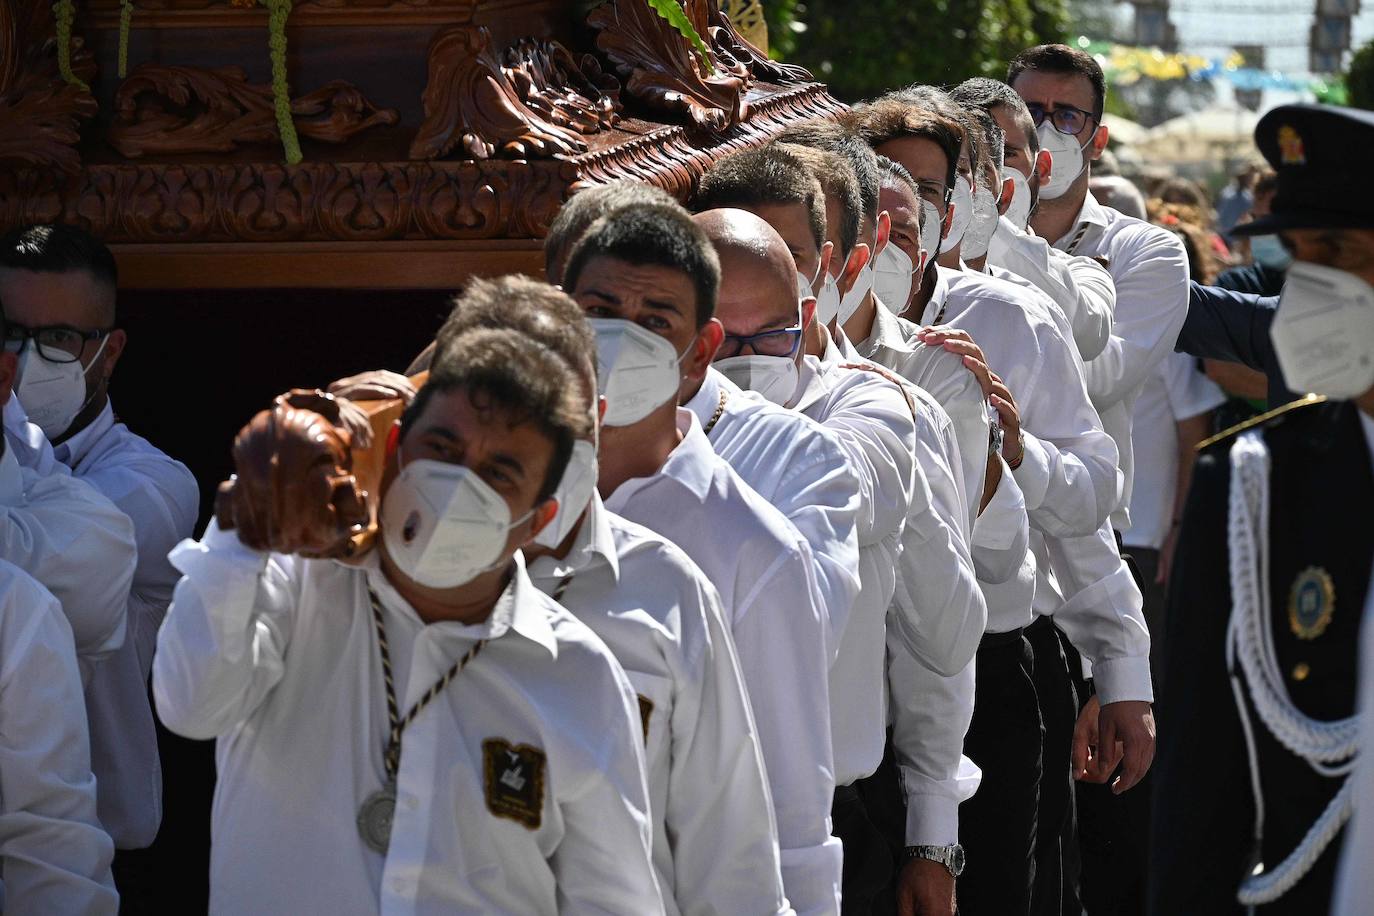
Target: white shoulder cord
x,y
1328,747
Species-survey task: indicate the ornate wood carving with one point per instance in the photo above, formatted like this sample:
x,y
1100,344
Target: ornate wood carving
x,y
40,113
197,110
533,102
661,68
377,201
729,41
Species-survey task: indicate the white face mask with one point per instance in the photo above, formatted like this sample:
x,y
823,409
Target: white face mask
x,y
930,232
984,223
636,370
442,525
53,393
862,284
773,377
1269,251
827,300
963,213
573,493
893,276
1018,211
1324,331
1067,161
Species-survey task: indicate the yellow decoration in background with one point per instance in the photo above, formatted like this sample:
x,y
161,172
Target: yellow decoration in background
x,y
747,18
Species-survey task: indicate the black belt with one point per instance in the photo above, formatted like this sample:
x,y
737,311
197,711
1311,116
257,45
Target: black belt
x,y
1042,621
998,640
846,795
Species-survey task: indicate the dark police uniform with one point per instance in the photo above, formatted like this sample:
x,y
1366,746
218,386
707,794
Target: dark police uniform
x,y
1320,490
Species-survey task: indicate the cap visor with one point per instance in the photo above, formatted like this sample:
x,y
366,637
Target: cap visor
x,y
1304,219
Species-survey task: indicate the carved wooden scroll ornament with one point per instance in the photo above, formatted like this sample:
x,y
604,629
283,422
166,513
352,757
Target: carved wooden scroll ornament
x,y
535,103
162,109
40,113
662,69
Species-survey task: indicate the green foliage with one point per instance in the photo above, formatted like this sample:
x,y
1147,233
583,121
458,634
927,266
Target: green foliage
x,y
864,49
65,14
672,13
277,13
1359,78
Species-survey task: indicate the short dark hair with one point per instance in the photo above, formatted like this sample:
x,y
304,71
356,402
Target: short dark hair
x,y
533,308
992,149
894,172
586,207
652,234
507,372
985,93
837,180
822,134
1062,59
764,175
894,118
58,248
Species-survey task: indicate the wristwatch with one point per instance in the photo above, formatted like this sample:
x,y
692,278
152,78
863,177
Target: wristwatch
x,y
951,857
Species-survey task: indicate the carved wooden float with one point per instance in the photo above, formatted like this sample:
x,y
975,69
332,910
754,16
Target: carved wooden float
x,y
440,137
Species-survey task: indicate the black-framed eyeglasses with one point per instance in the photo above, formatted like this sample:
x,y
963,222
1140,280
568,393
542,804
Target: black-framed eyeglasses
x,y
782,342
1065,118
58,343
935,191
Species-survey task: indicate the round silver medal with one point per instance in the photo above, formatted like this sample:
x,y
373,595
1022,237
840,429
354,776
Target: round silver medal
x,y
375,816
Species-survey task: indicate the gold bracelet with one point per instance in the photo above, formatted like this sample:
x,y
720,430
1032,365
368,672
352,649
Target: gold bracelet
x,y
1021,454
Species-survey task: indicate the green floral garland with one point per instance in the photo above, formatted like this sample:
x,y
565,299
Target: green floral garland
x,y
65,15
126,15
278,11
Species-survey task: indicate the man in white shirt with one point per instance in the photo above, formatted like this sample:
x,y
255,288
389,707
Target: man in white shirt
x,y
420,730
59,282
1079,285
54,855
939,611
1064,90
57,529
1064,463
1173,414
715,840
789,460
648,279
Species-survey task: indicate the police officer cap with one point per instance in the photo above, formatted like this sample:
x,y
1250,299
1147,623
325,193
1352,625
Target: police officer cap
x,y
1321,155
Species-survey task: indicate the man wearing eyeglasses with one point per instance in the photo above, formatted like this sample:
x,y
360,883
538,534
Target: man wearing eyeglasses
x,y
1064,90
57,287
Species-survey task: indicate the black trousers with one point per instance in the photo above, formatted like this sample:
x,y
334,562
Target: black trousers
x,y
1056,844
868,868
884,807
997,826
1147,561
1114,830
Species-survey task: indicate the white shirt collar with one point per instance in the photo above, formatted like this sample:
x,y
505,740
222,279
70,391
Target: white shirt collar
x,y
938,296
77,447
707,398
811,385
520,607
595,542
1092,213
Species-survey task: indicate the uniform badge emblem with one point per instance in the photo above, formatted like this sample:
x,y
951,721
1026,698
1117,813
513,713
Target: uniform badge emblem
x,y
1290,147
646,709
514,779
1311,602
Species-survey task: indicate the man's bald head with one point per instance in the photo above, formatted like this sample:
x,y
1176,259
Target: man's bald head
x,y
758,278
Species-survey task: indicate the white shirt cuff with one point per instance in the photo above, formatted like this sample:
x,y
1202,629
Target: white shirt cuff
x,y
1118,679
1033,474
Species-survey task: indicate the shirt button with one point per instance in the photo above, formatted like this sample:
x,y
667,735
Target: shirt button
x,y
409,802
400,885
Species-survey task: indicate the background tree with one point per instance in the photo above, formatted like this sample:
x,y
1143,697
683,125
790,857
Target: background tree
x,y
1359,79
862,49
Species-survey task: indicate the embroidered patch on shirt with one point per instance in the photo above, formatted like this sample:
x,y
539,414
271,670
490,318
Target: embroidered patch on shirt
x,y
514,779
646,709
